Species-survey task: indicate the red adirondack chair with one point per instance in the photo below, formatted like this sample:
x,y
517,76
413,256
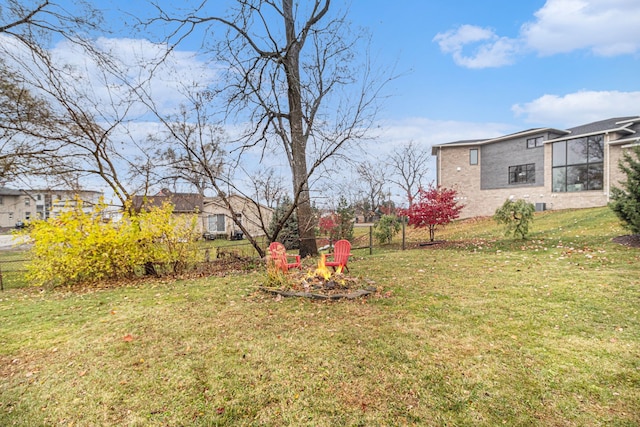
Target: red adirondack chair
x,y
280,258
340,255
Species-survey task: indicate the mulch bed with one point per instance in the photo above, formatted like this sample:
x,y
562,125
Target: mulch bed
x,y
631,240
337,287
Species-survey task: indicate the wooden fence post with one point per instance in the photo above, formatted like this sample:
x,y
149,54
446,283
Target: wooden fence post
x,y
404,228
370,240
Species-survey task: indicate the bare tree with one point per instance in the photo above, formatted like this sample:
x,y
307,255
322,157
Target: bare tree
x,y
268,187
90,99
192,151
87,132
285,72
26,116
21,114
34,21
371,187
408,168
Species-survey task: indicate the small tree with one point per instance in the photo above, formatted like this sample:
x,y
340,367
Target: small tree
x,y
516,216
345,216
339,224
435,206
626,200
327,225
288,235
386,228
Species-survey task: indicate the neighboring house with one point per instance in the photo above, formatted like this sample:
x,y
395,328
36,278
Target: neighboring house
x,y
183,203
217,220
214,218
551,168
26,205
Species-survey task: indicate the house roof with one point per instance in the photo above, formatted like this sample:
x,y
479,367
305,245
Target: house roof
x,y
4,191
217,201
472,142
182,202
615,124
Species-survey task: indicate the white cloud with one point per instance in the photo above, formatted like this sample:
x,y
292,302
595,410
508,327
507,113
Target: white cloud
x,y
429,132
604,27
426,133
139,59
490,50
578,108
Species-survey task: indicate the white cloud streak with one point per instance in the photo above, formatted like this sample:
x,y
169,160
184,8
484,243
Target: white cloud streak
x,y
578,108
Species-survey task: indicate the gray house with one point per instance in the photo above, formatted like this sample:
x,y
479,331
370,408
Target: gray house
x,y
552,168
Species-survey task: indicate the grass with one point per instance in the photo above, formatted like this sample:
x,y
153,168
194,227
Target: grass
x,y
482,331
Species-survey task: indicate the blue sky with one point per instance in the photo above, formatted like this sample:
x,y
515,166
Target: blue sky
x,y
500,64
542,60
468,69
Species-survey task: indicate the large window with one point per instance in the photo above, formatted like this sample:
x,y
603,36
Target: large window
x,y
578,164
522,174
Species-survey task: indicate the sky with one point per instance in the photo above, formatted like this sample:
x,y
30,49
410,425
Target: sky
x,y
503,66
470,69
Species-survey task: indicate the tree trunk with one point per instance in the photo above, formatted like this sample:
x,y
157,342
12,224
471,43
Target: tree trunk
x,y
291,62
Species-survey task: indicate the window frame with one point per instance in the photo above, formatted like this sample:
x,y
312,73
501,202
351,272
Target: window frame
x,y
214,221
576,171
474,159
528,170
535,142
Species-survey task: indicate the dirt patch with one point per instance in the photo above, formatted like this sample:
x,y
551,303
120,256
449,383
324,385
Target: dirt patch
x,y
631,240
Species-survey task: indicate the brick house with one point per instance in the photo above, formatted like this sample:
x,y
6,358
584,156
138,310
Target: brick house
x,y
552,168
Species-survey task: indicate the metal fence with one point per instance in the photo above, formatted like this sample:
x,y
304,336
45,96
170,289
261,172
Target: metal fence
x,y
214,256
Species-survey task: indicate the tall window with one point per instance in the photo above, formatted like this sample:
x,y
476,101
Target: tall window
x,y
535,142
473,156
522,174
578,164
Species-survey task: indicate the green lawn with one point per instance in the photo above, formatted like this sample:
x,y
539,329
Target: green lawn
x,y
481,331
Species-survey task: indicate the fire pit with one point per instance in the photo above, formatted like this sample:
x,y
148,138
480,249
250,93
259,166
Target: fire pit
x,y
321,283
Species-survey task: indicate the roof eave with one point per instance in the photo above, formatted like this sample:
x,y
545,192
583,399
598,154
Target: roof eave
x,y
599,132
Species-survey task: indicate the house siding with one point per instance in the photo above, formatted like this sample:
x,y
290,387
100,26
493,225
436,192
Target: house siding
x,y
251,217
29,205
495,170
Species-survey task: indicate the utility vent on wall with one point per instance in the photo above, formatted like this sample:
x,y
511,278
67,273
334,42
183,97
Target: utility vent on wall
x,y
541,207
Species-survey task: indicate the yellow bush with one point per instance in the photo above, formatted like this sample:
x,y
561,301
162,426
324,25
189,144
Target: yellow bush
x,y
80,246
